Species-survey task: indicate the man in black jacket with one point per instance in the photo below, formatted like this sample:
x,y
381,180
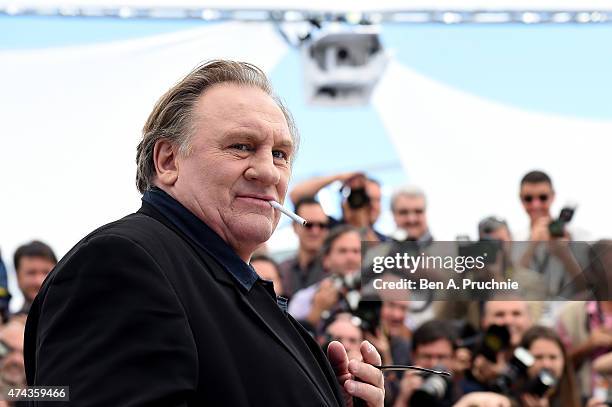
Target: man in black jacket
x,y
162,308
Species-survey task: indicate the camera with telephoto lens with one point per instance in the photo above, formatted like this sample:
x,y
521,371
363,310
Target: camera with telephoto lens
x,y
435,390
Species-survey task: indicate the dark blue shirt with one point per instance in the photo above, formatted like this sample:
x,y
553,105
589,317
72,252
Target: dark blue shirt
x,y
202,235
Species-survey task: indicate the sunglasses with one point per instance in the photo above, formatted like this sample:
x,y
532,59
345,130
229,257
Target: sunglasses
x,y
530,198
320,225
404,212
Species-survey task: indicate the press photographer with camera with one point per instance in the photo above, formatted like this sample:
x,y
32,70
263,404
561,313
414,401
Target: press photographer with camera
x,y
341,259
550,379
504,321
361,200
549,251
433,347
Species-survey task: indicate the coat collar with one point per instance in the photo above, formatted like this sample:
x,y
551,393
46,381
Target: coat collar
x,y
200,233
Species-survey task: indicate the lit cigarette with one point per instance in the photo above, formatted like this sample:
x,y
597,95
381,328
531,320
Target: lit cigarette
x,y
296,218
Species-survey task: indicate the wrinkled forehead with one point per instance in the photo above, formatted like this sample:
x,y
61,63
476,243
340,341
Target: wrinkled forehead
x,y
228,108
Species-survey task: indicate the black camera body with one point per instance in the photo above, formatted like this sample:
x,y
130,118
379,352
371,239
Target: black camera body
x,y
540,384
435,391
556,228
356,198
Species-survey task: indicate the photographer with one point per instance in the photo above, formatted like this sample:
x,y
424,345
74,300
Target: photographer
x,y
549,358
549,251
494,238
433,347
341,261
505,319
360,204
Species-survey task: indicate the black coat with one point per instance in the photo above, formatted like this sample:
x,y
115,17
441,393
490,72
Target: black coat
x,y
137,314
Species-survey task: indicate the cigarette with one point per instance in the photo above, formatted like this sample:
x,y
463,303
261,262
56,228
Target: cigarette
x,y
296,218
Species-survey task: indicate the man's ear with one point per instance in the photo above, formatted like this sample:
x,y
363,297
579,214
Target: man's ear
x,y
166,166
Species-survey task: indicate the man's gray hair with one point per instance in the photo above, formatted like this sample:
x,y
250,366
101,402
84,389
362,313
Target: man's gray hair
x,y
410,191
172,117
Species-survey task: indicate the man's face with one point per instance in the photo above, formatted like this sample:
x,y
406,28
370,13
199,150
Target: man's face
x,y
11,365
239,160
537,199
312,235
348,335
513,314
410,215
345,254
434,354
375,194
31,273
393,315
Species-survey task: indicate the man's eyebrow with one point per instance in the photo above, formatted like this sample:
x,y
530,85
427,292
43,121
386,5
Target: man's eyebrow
x,y
285,143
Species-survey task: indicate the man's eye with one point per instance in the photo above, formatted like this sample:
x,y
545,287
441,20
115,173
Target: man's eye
x,y
279,154
241,147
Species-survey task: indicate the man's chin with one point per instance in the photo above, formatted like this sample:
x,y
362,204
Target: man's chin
x,y
254,229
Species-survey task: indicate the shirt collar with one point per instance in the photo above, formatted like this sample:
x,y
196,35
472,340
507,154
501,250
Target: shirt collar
x,y
202,235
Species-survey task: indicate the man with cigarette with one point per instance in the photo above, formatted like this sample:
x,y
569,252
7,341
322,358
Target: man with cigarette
x,y
162,306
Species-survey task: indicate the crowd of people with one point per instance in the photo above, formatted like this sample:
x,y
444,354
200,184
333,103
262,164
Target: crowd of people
x,y
502,350
175,304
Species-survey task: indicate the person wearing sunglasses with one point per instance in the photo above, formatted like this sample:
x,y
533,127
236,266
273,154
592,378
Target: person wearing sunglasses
x,y
537,195
305,267
551,256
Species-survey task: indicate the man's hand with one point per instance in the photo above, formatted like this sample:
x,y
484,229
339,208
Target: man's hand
x,y
326,296
410,382
358,379
539,230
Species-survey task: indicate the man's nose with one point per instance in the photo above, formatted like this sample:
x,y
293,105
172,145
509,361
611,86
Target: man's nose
x,y
262,169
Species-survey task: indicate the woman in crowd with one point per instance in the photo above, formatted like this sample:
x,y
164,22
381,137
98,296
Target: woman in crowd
x,y
548,352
